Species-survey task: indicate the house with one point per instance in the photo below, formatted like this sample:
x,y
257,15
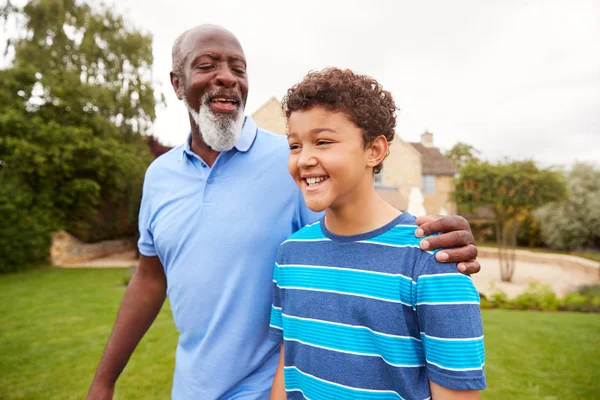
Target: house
x,y
416,176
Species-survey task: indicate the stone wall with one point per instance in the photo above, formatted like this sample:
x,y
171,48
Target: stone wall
x,y
67,249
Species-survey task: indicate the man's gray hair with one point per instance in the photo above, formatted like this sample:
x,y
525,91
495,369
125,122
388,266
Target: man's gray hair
x,y
176,56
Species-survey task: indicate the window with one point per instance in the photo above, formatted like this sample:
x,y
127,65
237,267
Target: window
x,y
428,184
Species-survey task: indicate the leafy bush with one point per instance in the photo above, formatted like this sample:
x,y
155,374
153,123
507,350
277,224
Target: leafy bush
x,y
537,297
585,299
25,230
574,223
542,298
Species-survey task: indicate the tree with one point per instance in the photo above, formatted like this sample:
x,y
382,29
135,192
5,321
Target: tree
x,y
574,223
74,104
511,190
461,154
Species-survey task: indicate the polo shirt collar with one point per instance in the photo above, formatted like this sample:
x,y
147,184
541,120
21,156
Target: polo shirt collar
x,y
244,142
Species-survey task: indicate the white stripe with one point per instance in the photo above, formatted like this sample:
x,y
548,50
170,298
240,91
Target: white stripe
x,y
446,274
457,369
289,339
276,327
344,386
342,269
351,326
346,293
395,245
307,240
452,339
277,308
298,390
451,303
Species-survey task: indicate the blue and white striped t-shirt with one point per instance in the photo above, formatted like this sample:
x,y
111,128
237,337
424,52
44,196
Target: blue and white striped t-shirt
x,y
372,316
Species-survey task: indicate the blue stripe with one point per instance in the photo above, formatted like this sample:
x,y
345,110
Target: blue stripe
x,y
359,340
454,354
395,288
276,320
311,232
316,389
400,236
446,288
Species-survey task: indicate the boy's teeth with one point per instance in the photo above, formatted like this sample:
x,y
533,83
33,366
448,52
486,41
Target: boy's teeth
x,y
314,181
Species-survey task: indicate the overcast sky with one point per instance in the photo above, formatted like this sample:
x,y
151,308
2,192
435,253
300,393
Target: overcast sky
x,y
513,78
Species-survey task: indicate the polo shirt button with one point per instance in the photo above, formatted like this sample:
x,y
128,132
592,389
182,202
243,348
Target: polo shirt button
x,y
203,165
210,180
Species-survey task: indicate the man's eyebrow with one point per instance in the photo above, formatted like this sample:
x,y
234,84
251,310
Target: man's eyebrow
x,y
212,55
237,58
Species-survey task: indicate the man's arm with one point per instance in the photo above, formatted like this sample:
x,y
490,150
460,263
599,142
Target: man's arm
x,y
278,387
441,393
141,303
456,238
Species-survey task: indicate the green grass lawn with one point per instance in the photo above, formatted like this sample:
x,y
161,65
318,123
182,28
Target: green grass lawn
x,y
54,324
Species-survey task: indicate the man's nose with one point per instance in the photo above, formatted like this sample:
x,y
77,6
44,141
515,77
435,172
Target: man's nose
x,y
226,78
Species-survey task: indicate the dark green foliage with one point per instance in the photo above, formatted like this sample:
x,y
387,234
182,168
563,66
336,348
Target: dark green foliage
x,y
510,191
574,222
73,106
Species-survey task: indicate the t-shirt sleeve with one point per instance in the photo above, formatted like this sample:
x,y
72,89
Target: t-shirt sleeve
x,y
447,306
276,320
146,240
303,215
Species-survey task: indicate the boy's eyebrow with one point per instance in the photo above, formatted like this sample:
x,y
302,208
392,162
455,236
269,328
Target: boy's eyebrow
x,y
313,131
319,130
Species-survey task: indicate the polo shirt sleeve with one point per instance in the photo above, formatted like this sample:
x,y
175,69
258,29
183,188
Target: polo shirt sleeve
x,y
146,240
447,306
276,320
303,215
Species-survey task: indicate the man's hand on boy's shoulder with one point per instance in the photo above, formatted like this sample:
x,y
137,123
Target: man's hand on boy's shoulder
x,y
455,237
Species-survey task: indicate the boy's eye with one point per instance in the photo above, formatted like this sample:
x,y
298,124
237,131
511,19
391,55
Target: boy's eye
x,y
294,146
323,142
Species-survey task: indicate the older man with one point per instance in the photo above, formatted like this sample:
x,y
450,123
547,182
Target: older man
x,y
213,213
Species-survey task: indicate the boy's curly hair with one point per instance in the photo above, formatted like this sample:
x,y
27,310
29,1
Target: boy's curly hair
x,y
361,98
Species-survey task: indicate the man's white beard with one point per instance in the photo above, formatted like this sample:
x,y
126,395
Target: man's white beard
x,y
220,133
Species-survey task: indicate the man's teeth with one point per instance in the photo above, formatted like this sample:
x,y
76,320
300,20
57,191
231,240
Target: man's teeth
x,y
315,181
223,100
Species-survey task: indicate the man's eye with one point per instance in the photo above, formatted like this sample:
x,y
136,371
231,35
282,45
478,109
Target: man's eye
x,y
204,67
239,70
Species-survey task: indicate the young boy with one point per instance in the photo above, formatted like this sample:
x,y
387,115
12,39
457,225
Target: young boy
x,y
355,323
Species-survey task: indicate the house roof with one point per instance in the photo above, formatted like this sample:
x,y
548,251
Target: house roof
x,y
433,161
270,117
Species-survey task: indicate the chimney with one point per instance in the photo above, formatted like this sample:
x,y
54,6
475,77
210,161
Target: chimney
x,y
427,139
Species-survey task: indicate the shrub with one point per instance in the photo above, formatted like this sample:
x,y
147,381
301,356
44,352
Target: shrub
x,y
25,230
585,299
537,297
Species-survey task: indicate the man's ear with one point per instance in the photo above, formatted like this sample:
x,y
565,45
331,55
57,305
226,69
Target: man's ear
x,y
176,83
378,151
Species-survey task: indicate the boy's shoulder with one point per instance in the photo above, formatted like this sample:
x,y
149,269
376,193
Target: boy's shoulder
x,y
309,233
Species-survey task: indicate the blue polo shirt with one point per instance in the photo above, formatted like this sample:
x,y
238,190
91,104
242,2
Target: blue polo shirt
x,y
216,232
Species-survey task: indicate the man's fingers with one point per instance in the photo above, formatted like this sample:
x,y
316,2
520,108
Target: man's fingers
x,y
448,240
468,252
469,267
437,224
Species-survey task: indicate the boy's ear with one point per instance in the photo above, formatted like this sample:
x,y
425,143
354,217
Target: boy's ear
x,y
378,151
